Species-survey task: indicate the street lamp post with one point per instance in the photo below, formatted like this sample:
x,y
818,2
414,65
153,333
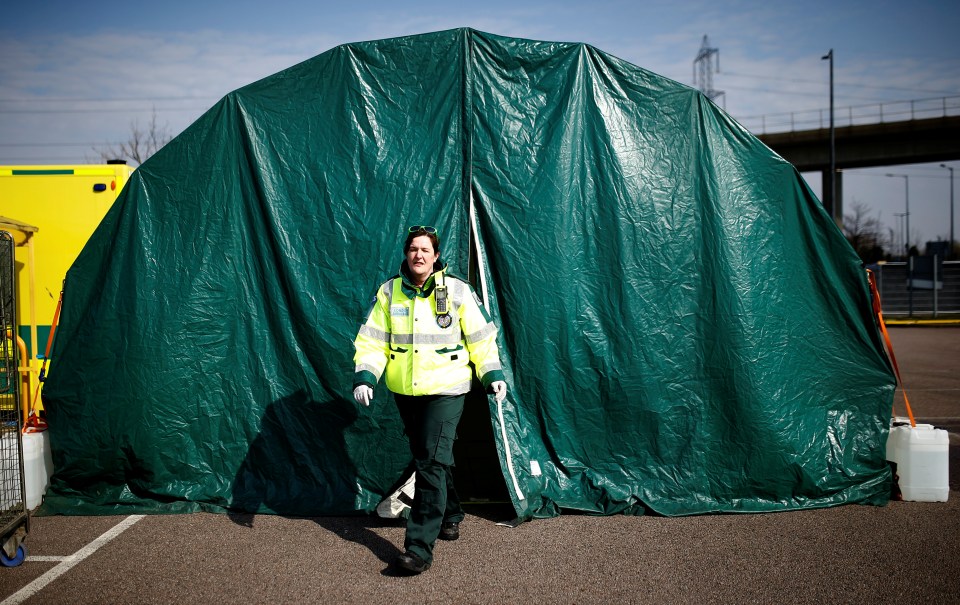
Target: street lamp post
x,y
899,216
950,249
906,182
833,147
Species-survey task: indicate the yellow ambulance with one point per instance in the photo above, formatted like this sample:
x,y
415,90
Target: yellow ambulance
x,y
52,211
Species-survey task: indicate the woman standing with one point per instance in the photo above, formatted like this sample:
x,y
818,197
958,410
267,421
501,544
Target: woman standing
x,y
423,330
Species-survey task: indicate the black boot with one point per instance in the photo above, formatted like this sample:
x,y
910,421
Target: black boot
x,y
450,530
412,563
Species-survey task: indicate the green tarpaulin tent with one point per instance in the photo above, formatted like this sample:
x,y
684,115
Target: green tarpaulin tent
x,y
683,327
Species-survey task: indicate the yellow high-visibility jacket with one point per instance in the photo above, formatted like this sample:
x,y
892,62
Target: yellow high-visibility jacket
x,y
402,336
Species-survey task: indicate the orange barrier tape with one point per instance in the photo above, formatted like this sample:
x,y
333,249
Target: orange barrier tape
x,y
877,308
53,326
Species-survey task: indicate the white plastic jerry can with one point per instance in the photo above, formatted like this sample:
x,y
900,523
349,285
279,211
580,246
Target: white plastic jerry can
x,y
922,454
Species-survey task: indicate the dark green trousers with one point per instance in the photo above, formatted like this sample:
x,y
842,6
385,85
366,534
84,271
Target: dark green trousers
x,y
430,423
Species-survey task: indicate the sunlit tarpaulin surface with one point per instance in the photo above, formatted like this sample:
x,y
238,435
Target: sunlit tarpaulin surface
x,y
683,328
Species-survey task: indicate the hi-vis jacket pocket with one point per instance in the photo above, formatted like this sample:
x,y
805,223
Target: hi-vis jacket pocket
x,y
448,350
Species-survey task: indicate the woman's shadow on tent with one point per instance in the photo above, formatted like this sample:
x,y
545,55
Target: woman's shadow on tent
x,y
299,464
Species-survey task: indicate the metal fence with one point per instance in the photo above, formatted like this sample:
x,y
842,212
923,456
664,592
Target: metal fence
x,y
922,287
854,115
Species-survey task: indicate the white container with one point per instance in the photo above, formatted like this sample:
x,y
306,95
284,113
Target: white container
x,y
37,466
922,454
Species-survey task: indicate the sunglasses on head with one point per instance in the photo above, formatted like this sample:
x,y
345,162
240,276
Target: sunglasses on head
x,y
424,228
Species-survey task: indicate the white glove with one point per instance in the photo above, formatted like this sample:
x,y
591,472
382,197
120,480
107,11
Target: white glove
x,y
363,394
499,390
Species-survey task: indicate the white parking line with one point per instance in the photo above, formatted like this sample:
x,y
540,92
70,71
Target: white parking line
x,y
67,562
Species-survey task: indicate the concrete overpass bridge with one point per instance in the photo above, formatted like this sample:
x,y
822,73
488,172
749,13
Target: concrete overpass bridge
x,y
889,134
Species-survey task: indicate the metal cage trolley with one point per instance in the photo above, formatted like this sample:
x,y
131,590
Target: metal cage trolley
x,y
14,516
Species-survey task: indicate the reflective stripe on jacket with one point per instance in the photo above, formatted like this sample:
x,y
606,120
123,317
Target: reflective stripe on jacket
x,y
401,336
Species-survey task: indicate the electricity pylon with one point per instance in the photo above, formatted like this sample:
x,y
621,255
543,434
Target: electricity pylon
x,y
703,67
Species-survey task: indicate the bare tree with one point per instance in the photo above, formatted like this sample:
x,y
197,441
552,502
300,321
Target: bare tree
x,y
864,232
143,142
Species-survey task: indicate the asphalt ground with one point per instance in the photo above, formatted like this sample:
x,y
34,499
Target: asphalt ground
x,y
905,552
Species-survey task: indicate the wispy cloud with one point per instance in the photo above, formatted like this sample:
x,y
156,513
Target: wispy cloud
x,y
87,90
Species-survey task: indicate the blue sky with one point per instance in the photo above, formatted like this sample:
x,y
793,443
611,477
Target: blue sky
x,y
75,75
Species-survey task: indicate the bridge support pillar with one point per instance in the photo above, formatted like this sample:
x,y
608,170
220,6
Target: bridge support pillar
x,y
833,207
